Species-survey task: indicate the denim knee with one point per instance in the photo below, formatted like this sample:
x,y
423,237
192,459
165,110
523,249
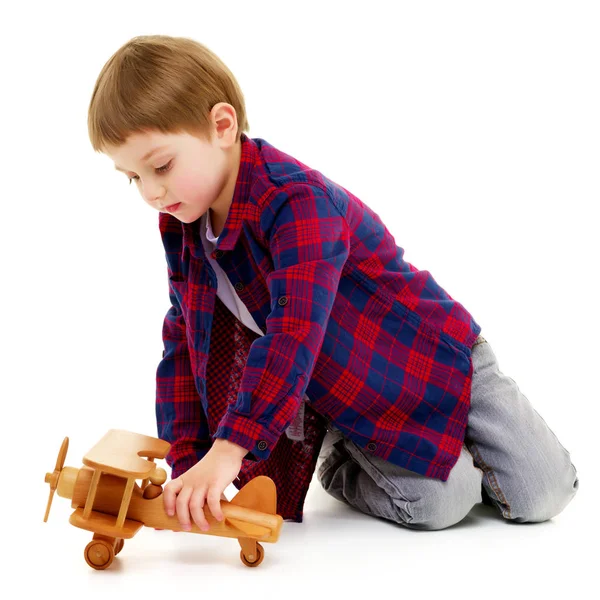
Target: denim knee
x,y
446,503
543,502
438,512
390,492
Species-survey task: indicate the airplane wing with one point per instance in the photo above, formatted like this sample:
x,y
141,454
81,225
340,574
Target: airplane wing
x,y
122,453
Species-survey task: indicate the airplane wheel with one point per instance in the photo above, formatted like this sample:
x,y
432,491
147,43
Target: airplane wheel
x,y
99,554
261,554
119,545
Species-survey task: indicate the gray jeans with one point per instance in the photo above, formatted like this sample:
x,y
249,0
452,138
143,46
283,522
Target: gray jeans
x,y
509,454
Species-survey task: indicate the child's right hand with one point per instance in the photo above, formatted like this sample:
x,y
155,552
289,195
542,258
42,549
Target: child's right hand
x,y
223,497
203,486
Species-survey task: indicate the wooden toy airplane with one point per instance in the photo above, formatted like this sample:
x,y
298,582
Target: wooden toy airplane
x,y
108,501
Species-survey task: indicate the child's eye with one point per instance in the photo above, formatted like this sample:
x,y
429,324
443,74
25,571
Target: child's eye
x,y
162,169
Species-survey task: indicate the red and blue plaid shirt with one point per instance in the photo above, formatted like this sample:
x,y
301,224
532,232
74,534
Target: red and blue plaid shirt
x,y
378,347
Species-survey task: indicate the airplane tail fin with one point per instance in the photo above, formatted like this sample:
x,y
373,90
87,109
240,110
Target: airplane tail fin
x,y
259,493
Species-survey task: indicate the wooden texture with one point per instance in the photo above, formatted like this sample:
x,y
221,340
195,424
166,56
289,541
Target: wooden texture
x,y
121,453
247,507
105,524
108,501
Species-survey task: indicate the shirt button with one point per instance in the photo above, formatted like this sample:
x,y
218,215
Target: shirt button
x,y
218,253
371,446
282,301
262,445
239,286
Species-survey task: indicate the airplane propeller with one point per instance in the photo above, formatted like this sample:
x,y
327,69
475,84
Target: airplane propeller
x,y
52,478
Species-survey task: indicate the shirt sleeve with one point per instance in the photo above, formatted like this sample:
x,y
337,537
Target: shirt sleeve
x,y
179,414
309,242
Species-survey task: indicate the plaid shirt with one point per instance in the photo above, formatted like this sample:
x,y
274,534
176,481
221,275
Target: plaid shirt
x,y
378,347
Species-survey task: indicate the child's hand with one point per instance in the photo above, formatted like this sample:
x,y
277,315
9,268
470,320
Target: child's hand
x,y
204,482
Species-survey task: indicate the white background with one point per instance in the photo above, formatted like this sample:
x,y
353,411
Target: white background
x,y
472,130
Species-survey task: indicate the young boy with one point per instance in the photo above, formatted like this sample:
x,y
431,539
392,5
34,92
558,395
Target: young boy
x,y
294,313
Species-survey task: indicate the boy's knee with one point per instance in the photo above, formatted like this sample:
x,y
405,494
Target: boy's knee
x,y
439,513
546,502
439,505
447,504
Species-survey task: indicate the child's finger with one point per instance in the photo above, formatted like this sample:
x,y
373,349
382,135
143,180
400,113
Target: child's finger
x,y
170,493
214,503
183,511
197,508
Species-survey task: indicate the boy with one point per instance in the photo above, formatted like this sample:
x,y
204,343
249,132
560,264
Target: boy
x,y
293,312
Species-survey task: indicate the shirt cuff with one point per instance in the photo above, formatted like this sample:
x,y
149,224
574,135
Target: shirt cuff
x,y
249,434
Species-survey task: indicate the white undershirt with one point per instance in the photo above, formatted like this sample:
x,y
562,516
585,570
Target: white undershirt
x,y
225,291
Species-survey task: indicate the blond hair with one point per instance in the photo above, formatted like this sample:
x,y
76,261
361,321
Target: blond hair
x,y
164,83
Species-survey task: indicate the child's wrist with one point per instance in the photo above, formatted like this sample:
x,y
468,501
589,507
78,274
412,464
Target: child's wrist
x,y
227,447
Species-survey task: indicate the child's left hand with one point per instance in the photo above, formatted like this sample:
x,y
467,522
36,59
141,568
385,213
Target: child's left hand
x,y
204,482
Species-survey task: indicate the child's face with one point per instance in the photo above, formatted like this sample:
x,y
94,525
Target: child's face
x,y
187,171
